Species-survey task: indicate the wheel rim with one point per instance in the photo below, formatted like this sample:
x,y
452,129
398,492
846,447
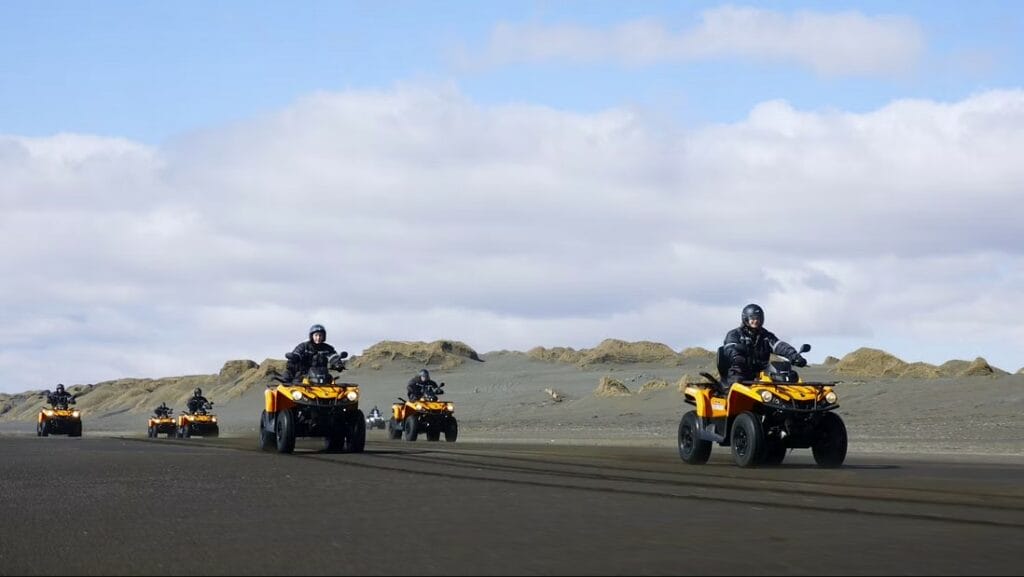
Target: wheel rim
x,y
741,441
686,440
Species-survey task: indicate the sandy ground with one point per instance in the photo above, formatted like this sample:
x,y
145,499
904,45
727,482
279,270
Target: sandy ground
x,y
504,399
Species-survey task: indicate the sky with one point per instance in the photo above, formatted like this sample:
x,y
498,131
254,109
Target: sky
x,y
186,183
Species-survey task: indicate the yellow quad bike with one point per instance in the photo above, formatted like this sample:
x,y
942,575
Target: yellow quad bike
x,y
59,419
763,419
318,406
162,424
426,415
199,423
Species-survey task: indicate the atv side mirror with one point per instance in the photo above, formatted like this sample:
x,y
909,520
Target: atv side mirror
x,y
291,356
805,348
441,386
343,355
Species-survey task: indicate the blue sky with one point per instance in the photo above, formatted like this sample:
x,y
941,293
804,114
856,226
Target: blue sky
x,y
185,183
149,71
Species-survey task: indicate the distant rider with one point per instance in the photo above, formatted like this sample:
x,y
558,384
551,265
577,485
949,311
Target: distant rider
x,y
419,385
60,399
163,411
305,352
750,346
198,402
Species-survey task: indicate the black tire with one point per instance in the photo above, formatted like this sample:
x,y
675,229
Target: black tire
x,y
433,435
266,440
747,440
285,431
172,433
692,449
186,431
410,428
334,441
39,429
355,439
451,430
394,433
830,447
45,432
76,430
775,452
214,433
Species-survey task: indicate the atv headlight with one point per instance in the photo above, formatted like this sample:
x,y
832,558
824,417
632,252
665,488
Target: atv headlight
x,y
75,414
767,396
48,412
830,397
352,395
214,419
450,407
297,395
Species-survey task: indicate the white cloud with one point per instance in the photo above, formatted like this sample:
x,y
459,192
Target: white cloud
x,y
838,43
415,213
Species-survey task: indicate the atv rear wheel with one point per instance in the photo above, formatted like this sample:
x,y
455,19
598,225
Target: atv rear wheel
x,y
830,447
409,428
451,430
692,449
747,440
774,452
285,429
394,432
266,439
76,430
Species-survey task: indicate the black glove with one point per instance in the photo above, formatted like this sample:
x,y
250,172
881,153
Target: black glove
x,y
799,361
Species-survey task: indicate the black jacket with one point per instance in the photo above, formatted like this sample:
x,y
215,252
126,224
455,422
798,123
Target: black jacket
x,y
304,353
196,403
749,352
416,388
60,400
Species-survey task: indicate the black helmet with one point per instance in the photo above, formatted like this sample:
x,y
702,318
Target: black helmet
x,y
197,393
60,387
424,374
317,329
752,311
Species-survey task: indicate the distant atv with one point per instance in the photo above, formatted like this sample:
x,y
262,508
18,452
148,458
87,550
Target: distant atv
x,y
162,424
199,423
375,420
59,419
763,419
426,415
318,406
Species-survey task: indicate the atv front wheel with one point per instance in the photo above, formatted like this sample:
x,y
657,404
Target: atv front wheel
x,y
266,440
355,440
285,429
451,430
409,428
747,440
692,448
830,448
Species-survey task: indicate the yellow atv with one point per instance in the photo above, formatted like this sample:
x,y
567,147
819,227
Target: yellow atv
x,y
425,415
161,424
59,419
318,406
763,419
201,422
